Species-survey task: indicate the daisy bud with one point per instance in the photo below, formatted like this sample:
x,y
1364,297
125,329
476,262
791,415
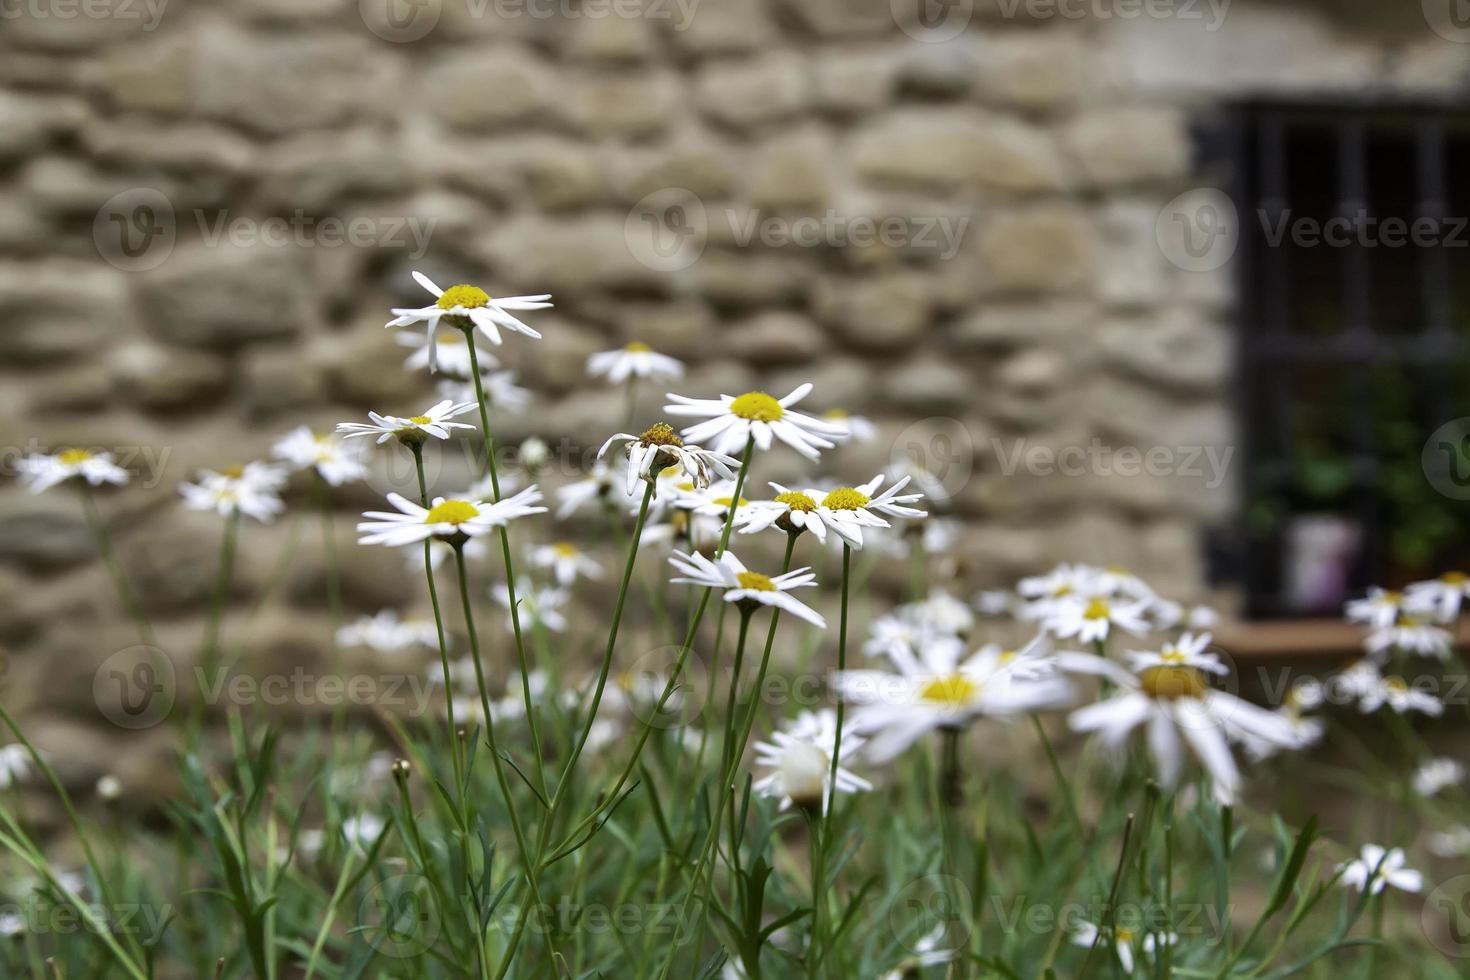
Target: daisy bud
x,y
803,770
401,770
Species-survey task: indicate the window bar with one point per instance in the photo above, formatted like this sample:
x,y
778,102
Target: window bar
x,y
1360,341
1437,336
1273,338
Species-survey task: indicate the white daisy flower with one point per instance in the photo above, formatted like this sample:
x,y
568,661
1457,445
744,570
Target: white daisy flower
x,y
901,634
1201,618
1379,610
1187,651
1410,634
943,612
539,607
451,353
333,460
1179,708
1086,933
533,454
12,924
386,633
1306,731
434,422
1438,774
1093,620
469,306
658,449
790,511
732,421
1354,682
1397,694
801,756
847,510
940,688
566,561
42,472
744,586
1117,581
251,490
15,764
1037,658
1445,595
995,602
636,360
856,428
928,951
1451,843
363,830
445,519
1376,869
600,483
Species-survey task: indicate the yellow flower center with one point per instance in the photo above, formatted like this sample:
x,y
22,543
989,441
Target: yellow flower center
x,y
1172,683
1060,591
1096,609
1173,655
233,472
1396,685
836,414
1454,578
466,297
638,347
1006,656
661,434
451,338
1390,597
452,512
420,419
72,457
954,691
1123,935
757,406
845,498
756,581
565,549
796,500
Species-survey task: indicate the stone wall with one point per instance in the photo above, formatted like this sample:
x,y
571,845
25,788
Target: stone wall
x,y
557,146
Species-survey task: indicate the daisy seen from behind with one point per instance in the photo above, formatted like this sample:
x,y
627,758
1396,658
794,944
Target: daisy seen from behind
x,y
801,756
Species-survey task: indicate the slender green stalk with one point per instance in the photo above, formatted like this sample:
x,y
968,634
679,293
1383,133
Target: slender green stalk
x,y
532,724
114,568
841,666
417,448
732,703
515,821
209,657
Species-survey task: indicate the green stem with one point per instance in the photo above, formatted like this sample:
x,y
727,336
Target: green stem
x,y
209,658
841,666
115,569
732,703
417,448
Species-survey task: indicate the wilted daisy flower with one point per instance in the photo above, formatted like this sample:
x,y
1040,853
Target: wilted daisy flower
x,y
386,633
465,306
744,586
1187,651
659,448
328,455
15,764
539,607
801,756
732,421
451,353
847,510
1180,709
1445,595
1379,610
363,830
636,360
1376,869
445,519
41,472
1085,933
600,483
854,427
1092,620
1397,694
940,688
566,561
1438,774
434,422
251,490
1410,634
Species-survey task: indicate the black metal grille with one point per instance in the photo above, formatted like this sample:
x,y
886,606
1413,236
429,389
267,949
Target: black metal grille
x,y
1351,351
